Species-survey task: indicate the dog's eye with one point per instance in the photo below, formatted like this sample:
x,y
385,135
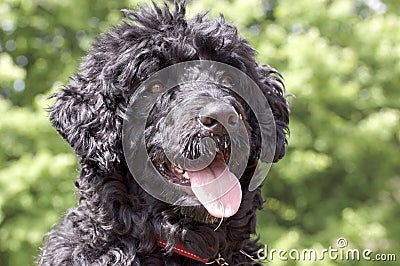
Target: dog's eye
x,y
227,81
157,87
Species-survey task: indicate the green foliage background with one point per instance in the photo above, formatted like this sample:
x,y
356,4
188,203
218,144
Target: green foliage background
x,y
341,175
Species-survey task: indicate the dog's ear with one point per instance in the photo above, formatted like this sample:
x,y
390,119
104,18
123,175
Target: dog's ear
x,y
89,122
270,82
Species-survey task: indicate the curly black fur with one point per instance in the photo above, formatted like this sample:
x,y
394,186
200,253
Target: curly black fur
x,y
117,222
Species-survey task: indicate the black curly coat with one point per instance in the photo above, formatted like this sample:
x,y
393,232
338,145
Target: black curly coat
x,y
117,222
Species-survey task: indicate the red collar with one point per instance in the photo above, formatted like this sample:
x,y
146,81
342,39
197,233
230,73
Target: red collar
x,y
182,250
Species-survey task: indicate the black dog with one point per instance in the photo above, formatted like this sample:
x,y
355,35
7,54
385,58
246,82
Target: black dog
x,y
117,222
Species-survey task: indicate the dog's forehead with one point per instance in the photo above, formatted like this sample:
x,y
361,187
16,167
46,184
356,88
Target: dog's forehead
x,y
201,72
198,71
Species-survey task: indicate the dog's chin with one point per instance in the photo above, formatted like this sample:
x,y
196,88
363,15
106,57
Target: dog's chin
x,y
197,214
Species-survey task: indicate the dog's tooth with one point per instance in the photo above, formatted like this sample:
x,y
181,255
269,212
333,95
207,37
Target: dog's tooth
x,y
186,175
240,116
226,145
212,134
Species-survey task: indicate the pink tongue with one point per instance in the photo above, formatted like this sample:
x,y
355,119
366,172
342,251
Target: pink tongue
x,y
217,189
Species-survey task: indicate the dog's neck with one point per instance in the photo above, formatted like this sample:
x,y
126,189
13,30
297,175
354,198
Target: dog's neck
x,y
200,239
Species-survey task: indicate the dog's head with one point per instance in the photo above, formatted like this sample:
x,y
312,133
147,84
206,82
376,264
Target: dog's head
x,y
90,112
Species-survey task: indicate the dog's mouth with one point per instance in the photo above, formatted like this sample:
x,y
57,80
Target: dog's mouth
x,y
215,186
181,177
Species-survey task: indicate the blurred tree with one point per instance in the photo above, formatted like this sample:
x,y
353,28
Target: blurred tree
x,y
40,46
37,170
341,60
45,39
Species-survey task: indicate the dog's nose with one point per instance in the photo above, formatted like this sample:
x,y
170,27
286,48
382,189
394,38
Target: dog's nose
x,y
213,117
